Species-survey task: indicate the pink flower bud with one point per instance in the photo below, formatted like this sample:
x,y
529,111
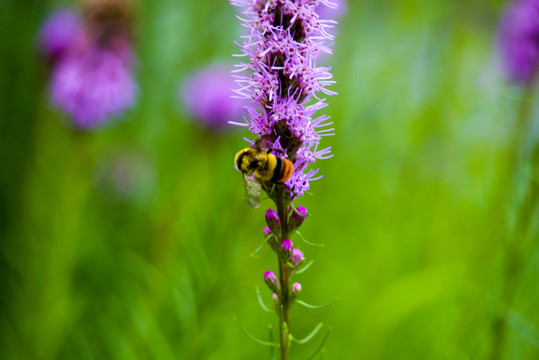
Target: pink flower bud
x,y
271,280
287,245
272,219
298,217
296,289
296,258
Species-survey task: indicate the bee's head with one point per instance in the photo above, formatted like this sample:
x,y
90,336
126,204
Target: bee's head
x,y
244,159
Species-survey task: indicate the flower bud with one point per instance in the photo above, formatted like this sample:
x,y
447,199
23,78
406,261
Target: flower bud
x,y
296,258
271,280
296,289
286,250
271,239
267,232
272,219
298,217
287,245
276,303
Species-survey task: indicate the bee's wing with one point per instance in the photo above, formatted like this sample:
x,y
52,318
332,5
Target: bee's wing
x,y
253,189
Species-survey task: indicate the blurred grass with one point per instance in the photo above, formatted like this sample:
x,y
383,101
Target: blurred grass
x,y
416,209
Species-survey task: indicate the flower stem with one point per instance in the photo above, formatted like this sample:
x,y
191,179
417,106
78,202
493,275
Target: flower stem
x,y
284,276
515,241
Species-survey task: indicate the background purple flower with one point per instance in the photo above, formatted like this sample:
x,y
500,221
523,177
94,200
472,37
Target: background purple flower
x,y
207,97
57,33
519,40
92,84
92,80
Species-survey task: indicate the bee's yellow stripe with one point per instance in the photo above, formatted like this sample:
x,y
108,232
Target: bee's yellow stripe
x,y
268,168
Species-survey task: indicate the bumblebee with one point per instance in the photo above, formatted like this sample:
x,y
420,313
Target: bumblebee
x,y
258,166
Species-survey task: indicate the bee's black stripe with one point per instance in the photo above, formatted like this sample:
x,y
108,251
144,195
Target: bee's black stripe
x,y
239,161
278,171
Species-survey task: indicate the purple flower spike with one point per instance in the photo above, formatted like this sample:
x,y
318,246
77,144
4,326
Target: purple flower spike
x,y
57,33
272,219
519,40
267,232
298,217
283,83
296,258
207,96
271,280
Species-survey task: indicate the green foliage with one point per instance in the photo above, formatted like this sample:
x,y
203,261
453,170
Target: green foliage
x,y
430,237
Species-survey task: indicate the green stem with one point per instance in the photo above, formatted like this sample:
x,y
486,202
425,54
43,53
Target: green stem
x,y
284,276
515,238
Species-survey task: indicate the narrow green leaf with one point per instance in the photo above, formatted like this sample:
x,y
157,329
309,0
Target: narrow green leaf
x,y
272,349
260,247
308,337
260,301
308,242
309,306
321,345
303,269
261,342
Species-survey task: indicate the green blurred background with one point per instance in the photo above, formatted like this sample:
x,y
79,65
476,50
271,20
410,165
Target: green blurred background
x,y
426,210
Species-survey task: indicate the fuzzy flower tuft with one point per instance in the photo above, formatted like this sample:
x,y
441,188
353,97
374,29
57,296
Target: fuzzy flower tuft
x,y
519,40
285,85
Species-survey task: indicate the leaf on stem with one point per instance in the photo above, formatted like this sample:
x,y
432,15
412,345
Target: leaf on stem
x,y
309,306
261,342
321,345
260,247
303,269
272,348
308,242
308,337
260,301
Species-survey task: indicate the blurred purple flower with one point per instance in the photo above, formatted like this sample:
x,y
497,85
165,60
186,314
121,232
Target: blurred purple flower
x,y
207,97
519,40
57,32
297,257
127,176
326,12
92,84
92,81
